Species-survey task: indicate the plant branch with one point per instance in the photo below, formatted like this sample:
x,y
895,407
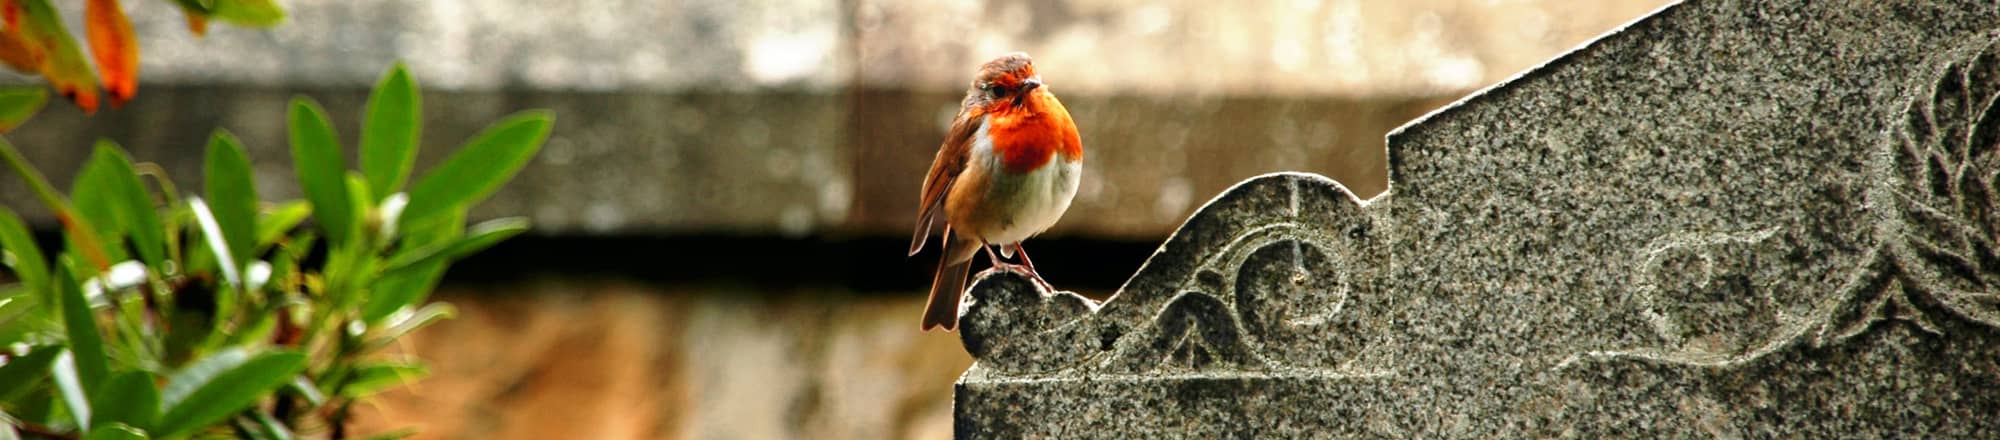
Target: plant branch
x,y
32,176
168,192
78,228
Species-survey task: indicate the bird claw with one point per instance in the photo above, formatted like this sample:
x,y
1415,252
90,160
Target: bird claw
x,y
1011,267
1026,270
1044,284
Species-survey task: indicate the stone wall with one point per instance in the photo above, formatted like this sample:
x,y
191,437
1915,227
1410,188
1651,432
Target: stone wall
x,y
674,117
806,119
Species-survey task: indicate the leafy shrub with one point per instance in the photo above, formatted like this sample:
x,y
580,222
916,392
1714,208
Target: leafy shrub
x,y
171,315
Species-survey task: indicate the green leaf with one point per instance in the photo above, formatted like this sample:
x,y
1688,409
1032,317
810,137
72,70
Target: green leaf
x,y
286,260
367,379
477,238
130,398
14,303
270,426
132,341
25,317
347,268
97,200
23,372
69,387
132,203
409,276
486,234
202,6
478,168
402,324
232,195
316,157
252,13
210,389
359,201
403,288
22,253
394,435
341,274
116,431
211,233
40,408
445,229
390,132
256,325
17,104
84,340
276,222
409,285
303,386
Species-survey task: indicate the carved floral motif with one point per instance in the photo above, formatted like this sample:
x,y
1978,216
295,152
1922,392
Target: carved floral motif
x,y
1938,257
1948,158
1937,262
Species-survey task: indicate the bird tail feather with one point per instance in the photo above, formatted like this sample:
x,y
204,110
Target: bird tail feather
x,y
949,286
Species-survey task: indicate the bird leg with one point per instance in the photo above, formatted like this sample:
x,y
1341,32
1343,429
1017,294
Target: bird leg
x,y
999,263
1031,268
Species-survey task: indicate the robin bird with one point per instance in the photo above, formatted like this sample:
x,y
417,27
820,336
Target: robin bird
x,y
1007,170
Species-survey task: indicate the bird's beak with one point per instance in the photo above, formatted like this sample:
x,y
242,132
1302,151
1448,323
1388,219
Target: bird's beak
x,y
1031,84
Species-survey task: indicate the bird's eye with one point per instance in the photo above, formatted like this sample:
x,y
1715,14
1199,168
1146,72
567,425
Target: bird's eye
x,y
992,90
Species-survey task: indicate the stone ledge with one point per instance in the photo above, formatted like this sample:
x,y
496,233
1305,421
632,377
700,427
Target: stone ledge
x,y
765,164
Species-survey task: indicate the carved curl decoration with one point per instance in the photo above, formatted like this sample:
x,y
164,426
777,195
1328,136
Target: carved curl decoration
x,y
1271,276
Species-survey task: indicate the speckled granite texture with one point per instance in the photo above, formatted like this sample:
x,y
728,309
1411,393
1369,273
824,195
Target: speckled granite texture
x,y
1729,219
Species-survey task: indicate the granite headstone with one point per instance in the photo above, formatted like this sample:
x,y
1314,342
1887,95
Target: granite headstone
x,y
1727,219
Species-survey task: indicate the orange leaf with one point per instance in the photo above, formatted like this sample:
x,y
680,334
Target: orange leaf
x,y
197,23
11,11
21,54
84,96
114,46
64,66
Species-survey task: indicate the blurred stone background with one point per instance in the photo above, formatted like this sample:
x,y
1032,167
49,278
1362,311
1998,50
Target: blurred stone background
x,y
723,207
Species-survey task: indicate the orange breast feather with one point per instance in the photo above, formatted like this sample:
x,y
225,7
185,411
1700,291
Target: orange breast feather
x,y
1029,138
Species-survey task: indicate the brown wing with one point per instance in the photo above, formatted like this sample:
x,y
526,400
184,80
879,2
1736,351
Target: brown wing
x,y
945,168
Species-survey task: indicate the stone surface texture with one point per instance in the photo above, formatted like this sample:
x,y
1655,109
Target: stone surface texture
x,y
1729,219
785,118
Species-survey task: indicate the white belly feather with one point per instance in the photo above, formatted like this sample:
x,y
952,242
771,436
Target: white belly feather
x,y
1018,206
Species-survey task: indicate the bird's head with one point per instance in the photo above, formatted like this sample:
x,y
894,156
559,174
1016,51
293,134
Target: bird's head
x,y
1006,82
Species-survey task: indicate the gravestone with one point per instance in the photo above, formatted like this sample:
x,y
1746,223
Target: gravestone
x,y
1727,219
